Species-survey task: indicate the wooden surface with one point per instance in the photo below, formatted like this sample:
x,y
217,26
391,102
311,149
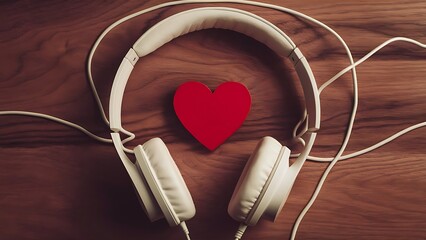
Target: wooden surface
x,y
56,183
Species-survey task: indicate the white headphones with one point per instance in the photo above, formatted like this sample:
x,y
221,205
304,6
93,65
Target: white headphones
x,y
267,178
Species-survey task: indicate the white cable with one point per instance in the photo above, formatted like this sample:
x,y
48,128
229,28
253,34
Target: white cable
x,y
128,150
58,120
299,123
241,229
185,230
64,122
332,163
350,127
334,78
130,138
348,68
298,137
339,74
368,149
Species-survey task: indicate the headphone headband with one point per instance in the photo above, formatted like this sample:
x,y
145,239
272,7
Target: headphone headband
x,y
215,17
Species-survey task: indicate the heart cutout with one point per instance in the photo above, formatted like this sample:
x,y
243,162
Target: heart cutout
x,y
212,117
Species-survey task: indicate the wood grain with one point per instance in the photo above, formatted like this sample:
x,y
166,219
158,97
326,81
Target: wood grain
x,y
56,183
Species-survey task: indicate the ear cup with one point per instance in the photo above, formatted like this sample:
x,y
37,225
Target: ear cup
x,y
143,192
165,181
146,199
259,181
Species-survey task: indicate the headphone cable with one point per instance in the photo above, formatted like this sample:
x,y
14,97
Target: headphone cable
x,y
349,129
185,229
241,229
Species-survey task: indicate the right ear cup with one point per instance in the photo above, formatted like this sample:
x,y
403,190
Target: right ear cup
x,y
165,181
257,190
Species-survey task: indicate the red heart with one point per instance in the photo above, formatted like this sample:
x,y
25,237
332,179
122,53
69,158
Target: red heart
x,y
212,117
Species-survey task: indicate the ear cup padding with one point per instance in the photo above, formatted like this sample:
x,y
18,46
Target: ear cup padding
x,y
165,181
254,177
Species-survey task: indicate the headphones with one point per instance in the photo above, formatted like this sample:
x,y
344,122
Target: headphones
x,y
267,178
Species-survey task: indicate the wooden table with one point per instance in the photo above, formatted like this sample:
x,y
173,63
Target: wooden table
x,y
56,183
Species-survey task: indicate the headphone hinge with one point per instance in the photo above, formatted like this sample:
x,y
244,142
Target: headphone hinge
x,y
132,56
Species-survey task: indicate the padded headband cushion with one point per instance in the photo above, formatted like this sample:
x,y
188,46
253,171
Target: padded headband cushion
x,y
254,177
214,17
168,180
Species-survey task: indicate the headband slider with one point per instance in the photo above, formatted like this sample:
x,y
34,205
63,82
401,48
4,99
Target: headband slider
x,y
132,56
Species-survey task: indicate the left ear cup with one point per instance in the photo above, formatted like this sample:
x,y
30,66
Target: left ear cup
x,y
143,192
165,181
259,183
